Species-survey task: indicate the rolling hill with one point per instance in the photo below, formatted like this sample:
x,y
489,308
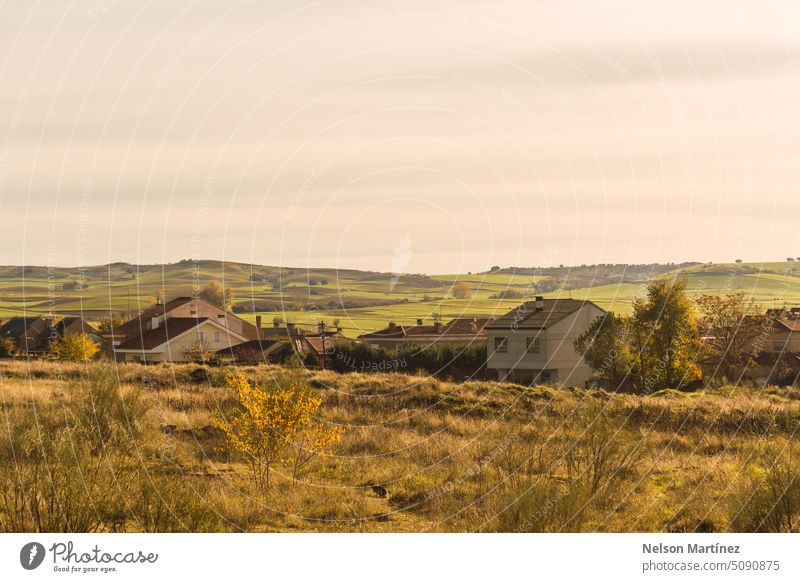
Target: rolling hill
x,y
364,300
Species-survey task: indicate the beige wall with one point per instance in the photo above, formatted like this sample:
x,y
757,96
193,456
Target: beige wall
x,y
557,354
774,341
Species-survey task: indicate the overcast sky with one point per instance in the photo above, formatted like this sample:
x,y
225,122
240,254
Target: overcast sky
x,y
436,137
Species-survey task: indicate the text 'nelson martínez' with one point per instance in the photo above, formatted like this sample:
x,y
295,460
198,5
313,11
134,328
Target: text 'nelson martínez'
x,y
689,549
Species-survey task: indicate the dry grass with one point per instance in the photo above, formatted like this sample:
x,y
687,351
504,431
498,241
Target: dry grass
x,y
479,456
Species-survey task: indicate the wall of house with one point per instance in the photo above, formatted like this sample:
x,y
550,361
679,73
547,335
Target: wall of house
x,y
774,340
557,354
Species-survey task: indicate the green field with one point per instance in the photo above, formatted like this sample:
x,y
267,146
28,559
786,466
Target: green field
x,y
363,300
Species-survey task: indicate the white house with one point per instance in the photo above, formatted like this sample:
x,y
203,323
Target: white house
x,y
533,343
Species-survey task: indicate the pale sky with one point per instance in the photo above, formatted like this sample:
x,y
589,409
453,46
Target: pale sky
x,y
437,137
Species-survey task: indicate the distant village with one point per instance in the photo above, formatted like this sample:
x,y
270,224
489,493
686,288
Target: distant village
x,y
541,341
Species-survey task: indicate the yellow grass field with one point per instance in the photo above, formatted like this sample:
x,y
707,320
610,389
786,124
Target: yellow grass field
x,y
131,448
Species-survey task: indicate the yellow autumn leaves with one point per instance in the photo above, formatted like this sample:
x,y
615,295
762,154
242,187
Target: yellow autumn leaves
x,y
76,347
276,426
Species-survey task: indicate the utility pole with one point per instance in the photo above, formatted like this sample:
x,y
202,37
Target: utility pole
x,y
321,329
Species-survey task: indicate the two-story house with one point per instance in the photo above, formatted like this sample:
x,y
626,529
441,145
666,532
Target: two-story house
x,y
533,343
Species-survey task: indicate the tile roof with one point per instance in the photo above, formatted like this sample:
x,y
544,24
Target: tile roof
x,y
457,326
789,320
527,316
169,329
252,346
140,322
35,333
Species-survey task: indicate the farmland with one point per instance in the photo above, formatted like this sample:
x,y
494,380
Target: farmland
x,y
365,301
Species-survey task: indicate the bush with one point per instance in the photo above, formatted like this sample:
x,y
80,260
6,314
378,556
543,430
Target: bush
x,y
768,497
7,347
75,347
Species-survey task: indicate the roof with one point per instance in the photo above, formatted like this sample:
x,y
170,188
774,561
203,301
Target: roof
x,y
138,322
16,326
169,329
469,326
315,342
252,346
786,319
36,333
76,325
528,316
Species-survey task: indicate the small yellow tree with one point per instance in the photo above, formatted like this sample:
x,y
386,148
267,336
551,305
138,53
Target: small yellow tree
x,y
76,347
275,426
461,290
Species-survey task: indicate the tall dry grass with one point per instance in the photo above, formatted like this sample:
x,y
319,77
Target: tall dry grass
x,y
133,448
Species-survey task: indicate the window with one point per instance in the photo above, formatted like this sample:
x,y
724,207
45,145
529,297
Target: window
x,y
216,336
779,346
533,345
501,344
200,336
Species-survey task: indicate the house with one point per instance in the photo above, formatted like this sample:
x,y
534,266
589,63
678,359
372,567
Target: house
x,y
774,352
35,335
184,329
780,332
533,343
462,330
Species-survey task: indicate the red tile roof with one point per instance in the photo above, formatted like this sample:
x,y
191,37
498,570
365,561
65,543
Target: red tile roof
x,y
140,323
454,327
169,329
244,350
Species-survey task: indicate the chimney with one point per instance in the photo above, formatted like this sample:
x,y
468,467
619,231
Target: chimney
x,y
276,324
258,322
154,323
539,303
290,326
392,326
437,326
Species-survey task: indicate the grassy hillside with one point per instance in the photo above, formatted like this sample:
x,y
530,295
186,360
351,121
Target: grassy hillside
x,y
365,301
143,456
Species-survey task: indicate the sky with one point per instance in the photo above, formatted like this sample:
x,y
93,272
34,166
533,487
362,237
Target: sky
x,y
407,137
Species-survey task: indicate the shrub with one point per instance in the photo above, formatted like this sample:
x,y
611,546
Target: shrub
x,y
7,347
75,347
275,426
768,497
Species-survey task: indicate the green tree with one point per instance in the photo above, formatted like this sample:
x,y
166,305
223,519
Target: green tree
x,y
215,294
110,323
604,347
664,337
